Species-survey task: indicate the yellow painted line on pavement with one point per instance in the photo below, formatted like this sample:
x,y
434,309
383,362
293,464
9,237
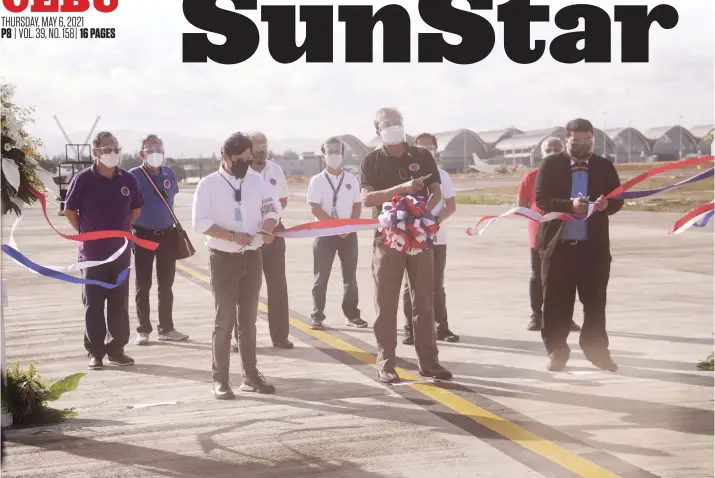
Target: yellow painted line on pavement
x,y
535,443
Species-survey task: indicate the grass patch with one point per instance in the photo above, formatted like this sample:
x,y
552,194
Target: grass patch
x,y
481,199
708,364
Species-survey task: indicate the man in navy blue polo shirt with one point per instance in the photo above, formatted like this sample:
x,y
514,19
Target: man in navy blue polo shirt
x,y
156,224
100,198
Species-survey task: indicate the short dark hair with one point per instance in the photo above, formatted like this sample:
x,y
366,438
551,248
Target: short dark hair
x,y
237,143
386,111
100,136
332,140
579,125
148,137
428,136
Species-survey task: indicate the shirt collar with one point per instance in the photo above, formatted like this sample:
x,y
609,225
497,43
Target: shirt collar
x,y
383,149
117,170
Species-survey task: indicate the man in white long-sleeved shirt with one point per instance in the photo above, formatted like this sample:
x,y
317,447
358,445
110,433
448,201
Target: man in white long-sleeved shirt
x,y
237,212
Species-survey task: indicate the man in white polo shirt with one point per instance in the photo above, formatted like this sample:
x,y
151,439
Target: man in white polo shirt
x,y
274,254
237,212
335,194
442,211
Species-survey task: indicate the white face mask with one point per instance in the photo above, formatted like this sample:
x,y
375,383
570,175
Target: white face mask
x,y
110,160
155,159
334,160
393,135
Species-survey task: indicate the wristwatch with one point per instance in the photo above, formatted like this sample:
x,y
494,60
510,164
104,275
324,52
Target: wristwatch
x,y
230,236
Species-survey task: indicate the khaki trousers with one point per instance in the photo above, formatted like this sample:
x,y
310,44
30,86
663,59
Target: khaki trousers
x,y
388,270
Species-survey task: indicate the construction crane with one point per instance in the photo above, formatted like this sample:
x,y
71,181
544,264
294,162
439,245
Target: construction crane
x,y
78,156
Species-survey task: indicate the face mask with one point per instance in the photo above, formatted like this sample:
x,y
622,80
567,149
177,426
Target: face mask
x,y
334,160
551,153
260,156
239,169
580,151
110,160
393,135
155,159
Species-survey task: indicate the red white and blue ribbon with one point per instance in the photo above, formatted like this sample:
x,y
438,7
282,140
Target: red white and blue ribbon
x,y
621,192
407,225
328,227
60,272
698,217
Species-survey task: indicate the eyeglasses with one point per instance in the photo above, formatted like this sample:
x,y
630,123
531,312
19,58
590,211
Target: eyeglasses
x,y
109,150
150,150
580,142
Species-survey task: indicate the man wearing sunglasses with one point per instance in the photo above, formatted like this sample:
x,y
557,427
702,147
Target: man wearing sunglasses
x,y
237,212
526,198
100,198
397,168
576,254
156,224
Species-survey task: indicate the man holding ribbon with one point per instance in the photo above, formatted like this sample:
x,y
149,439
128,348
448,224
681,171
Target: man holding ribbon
x,y
443,211
274,253
526,198
576,254
155,223
100,198
397,168
335,194
237,212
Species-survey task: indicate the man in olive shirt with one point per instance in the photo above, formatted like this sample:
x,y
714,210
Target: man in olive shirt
x,y
397,168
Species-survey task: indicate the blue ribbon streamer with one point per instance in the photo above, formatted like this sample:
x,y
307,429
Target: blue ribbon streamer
x,y
650,192
704,221
19,257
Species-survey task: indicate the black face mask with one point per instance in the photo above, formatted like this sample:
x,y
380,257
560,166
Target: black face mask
x,y
580,151
239,169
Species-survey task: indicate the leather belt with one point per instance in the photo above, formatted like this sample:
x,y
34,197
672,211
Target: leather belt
x,y
153,232
572,242
230,254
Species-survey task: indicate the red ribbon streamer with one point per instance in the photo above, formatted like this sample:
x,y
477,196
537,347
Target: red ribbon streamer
x,y
691,215
94,235
661,169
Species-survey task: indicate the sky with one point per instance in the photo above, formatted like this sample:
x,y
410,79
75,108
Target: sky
x,y
138,82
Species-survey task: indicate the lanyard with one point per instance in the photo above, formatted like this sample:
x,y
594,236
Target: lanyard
x,y
335,191
236,192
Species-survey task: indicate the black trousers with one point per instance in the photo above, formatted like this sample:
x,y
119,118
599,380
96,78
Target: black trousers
x,y
535,291
116,300
165,256
582,268
236,284
274,271
439,255
324,250
63,198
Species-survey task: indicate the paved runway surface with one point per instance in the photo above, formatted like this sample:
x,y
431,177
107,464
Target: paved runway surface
x,y
503,416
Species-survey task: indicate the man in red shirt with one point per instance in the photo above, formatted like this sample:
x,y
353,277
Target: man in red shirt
x,y
526,197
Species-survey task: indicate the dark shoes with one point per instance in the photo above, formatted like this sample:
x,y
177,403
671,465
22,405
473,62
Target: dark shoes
x,y
442,335
558,360
446,336
436,371
385,376
409,338
358,323
120,359
95,363
604,362
222,391
257,383
316,324
283,344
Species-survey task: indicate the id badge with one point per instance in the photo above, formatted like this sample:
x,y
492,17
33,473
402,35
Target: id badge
x,y
334,213
237,214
